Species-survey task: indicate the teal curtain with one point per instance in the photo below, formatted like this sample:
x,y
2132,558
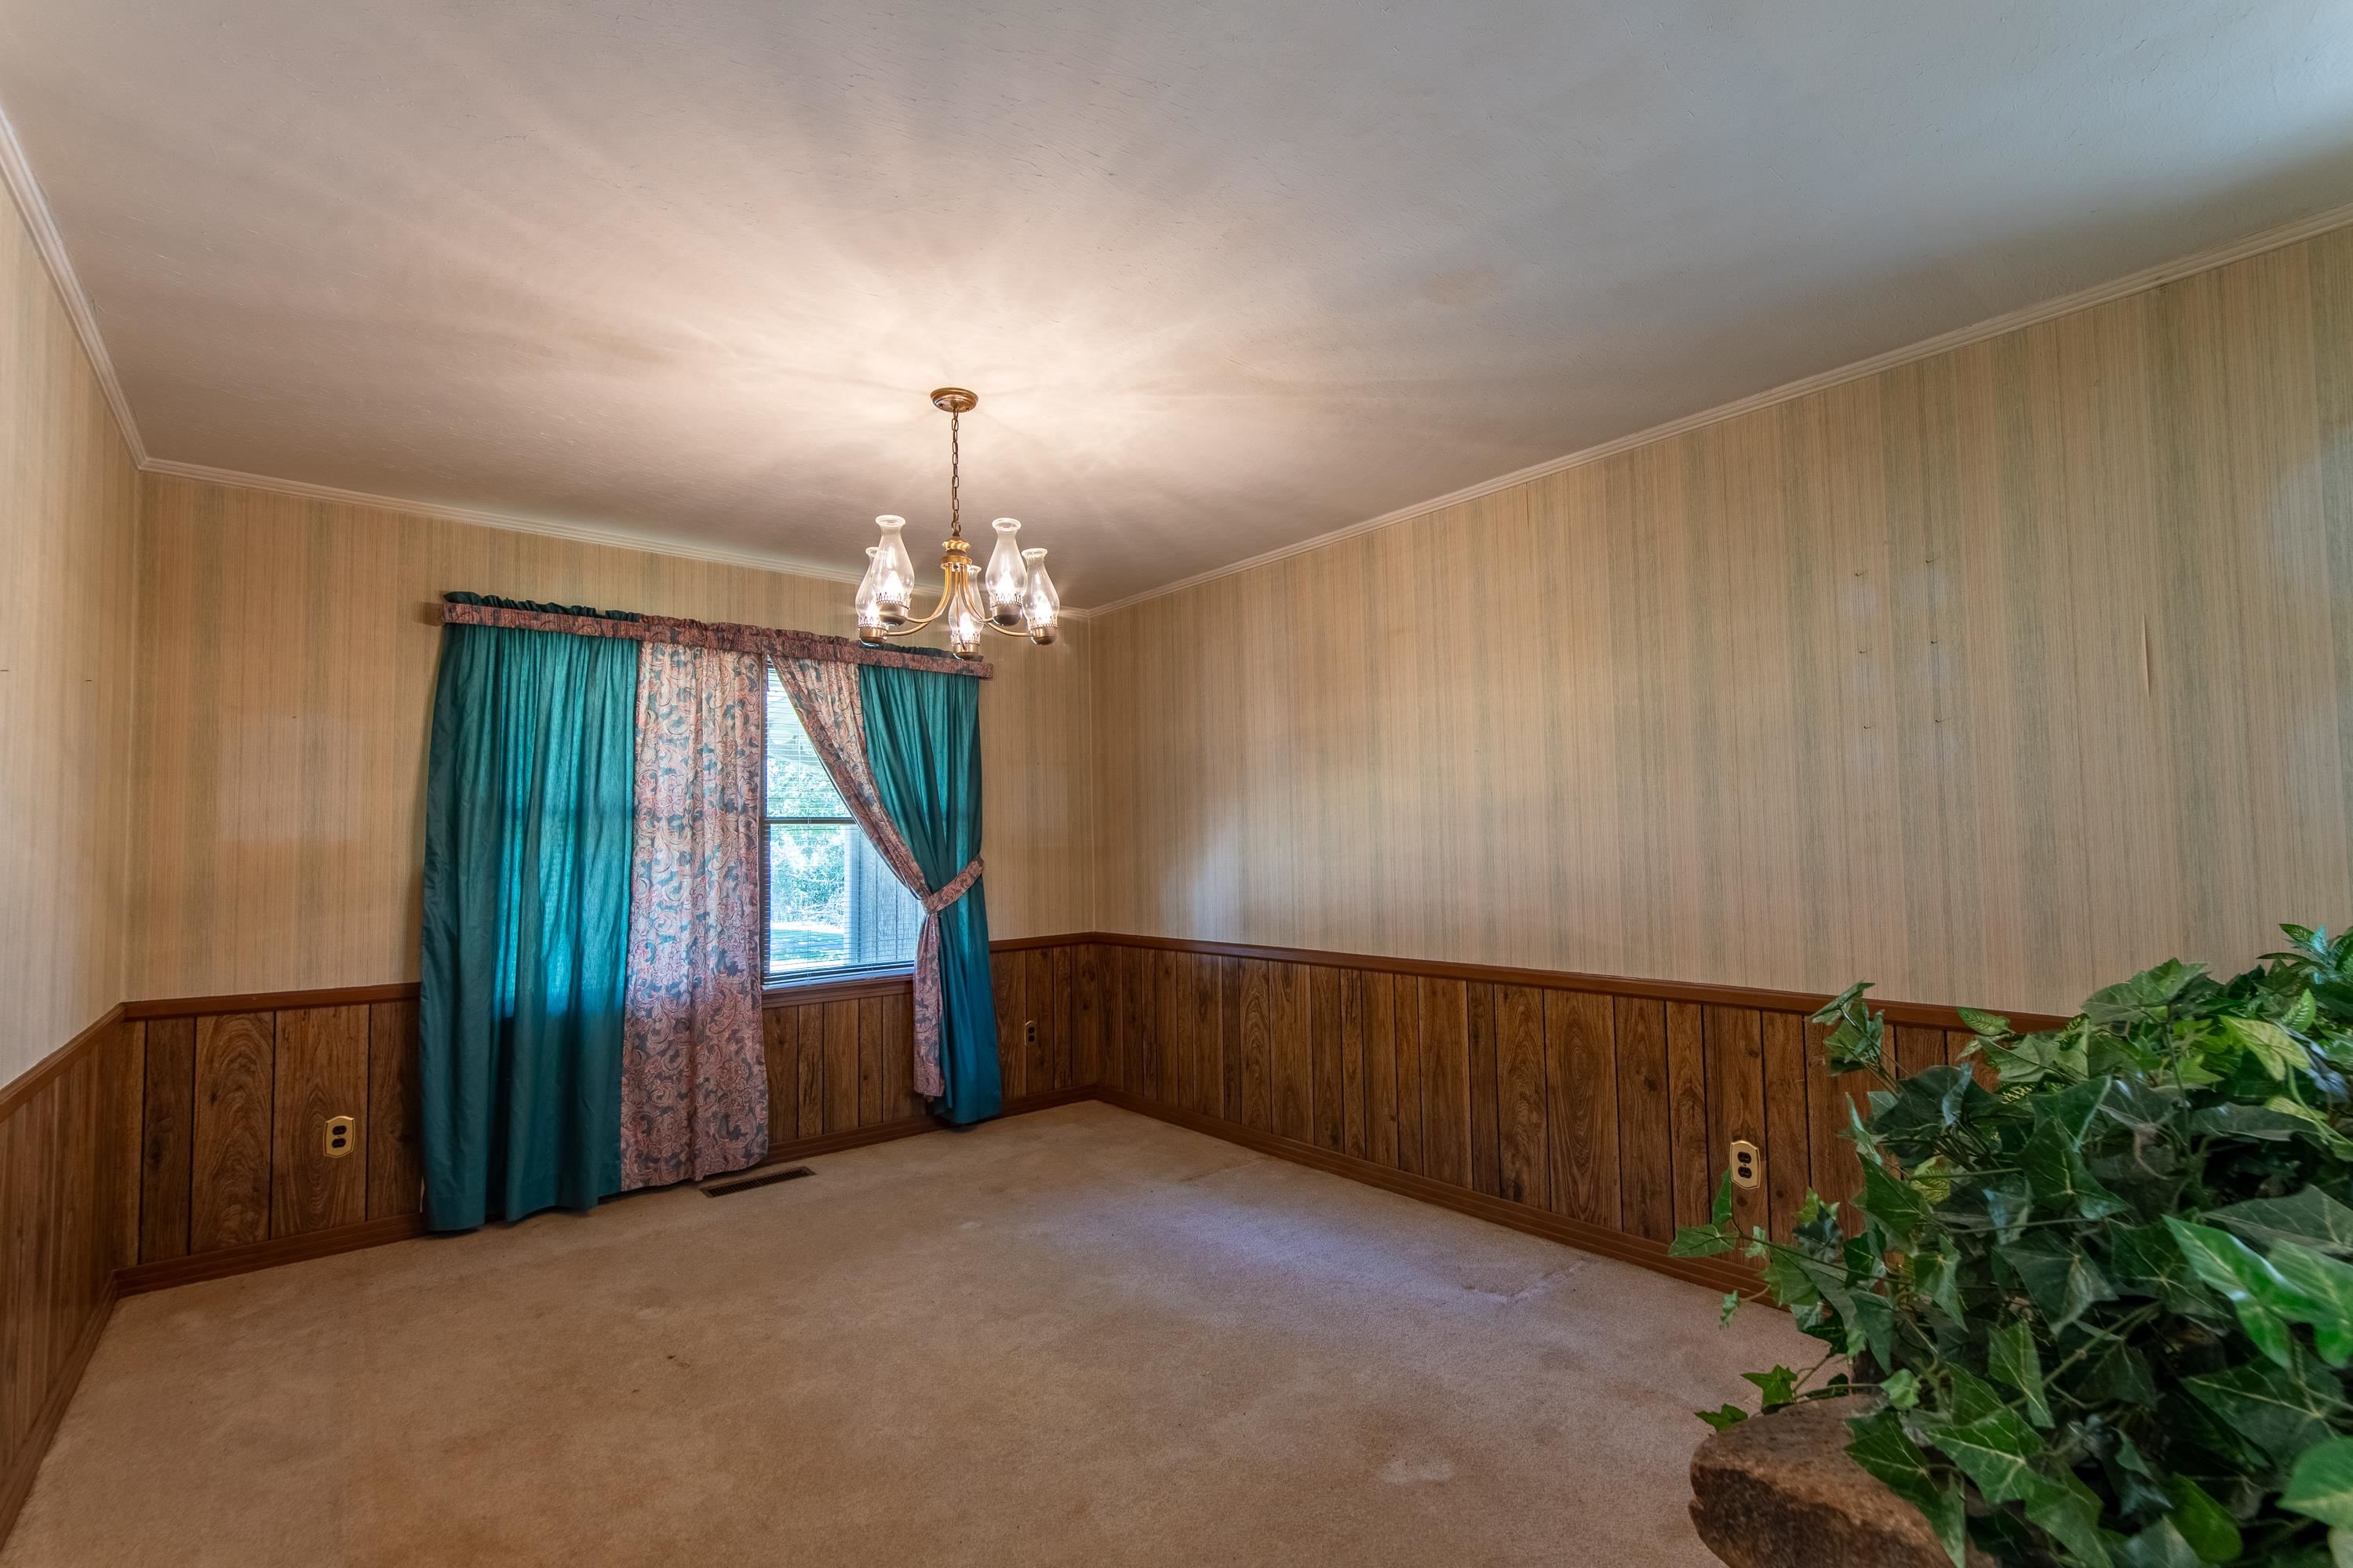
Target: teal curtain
x,y
922,742
527,842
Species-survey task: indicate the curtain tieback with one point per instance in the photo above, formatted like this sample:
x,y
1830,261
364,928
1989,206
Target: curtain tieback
x,y
962,884
930,1001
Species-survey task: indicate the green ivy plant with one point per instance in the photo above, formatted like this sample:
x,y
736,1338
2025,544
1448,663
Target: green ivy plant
x,y
2106,1309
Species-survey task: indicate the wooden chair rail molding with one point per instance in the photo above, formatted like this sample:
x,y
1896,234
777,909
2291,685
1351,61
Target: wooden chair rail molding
x,y
1702,993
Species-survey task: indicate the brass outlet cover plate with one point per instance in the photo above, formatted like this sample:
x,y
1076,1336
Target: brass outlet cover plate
x,y
1748,1164
339,1137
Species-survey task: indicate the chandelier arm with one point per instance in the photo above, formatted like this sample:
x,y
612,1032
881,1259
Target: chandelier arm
x,y
1006,631
947,597
908,629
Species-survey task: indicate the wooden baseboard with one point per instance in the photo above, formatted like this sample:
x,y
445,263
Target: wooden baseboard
x,y
1640,1250
17,1480
141,1278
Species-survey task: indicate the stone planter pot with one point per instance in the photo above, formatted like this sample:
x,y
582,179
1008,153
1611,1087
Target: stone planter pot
x,y
1778,1491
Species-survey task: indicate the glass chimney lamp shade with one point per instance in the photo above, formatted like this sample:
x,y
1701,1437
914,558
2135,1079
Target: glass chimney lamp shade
x,y
894,572
1042,604
1003,584
869,614
965,617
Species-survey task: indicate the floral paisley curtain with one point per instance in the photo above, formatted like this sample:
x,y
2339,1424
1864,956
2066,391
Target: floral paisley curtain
x,y
694,1097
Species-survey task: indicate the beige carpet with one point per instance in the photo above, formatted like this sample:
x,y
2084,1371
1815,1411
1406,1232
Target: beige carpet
x,y
1075,1337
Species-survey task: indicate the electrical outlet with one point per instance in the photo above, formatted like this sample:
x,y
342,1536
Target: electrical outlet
x,y
338,1138
1748,1164
1029,1031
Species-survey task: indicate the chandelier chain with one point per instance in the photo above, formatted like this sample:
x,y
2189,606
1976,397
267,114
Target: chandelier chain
x,y
955,473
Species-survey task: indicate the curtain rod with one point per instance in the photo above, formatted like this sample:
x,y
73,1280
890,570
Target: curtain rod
x,y
475,610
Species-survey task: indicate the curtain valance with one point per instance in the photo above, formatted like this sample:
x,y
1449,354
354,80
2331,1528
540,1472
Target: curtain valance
x,y
728,636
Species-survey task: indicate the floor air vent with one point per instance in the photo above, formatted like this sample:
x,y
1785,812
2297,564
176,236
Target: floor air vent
x,y
746,1183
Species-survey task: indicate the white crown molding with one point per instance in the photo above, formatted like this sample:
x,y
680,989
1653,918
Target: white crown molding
x,y
2131,283
582,533
35,207
553,528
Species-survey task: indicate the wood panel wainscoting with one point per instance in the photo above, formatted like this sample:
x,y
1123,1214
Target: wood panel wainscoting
x,y
235,1093
1595,1110
69,1221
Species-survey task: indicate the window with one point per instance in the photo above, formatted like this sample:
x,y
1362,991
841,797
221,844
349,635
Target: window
x,y
833,905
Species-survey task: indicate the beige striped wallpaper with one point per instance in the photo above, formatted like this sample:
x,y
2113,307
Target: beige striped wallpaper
x,y
290,654
1988,678
69,515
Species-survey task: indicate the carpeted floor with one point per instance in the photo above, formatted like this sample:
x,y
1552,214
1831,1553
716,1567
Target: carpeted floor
x,y
1076,1337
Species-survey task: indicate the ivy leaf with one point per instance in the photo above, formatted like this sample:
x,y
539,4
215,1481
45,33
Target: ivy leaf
x,y
2071,1516
2160,1545
1973,1397
2237,1120
2206,1525
2269,1044
1723,1416
1699,1241
2056,1175
2064,1282
2146,1108
1984,1025
1902,1390
1722,1212
2008,1204
1998,1452
1937,1276
2308,1215
2145,996
2252,1286
1893,1202
1880,1447
1856,1041
2012,1356
1871,1318
1731,1305
2134,1483
2338,1144
2118,1373
2040,1057
1789,1277
1778,1386
2321,1485
2326,1289
2281,1410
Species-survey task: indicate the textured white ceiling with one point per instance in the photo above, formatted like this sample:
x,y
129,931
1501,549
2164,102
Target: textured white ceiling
x,y
1226,275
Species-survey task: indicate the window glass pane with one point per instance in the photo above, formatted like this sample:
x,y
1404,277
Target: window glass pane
x,y
797,782
832,902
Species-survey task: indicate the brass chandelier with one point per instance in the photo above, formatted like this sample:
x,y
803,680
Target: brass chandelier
x,y
1013,596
